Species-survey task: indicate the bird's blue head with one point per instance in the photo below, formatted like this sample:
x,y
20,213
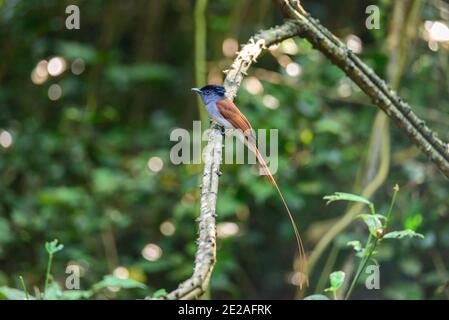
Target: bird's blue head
x,y
210,93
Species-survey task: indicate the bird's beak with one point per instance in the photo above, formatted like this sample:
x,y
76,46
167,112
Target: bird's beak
x,y
197,90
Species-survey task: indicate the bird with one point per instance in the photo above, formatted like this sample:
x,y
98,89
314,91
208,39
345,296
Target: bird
x,y
224,112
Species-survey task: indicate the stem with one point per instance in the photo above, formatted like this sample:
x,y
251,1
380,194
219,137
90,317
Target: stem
x,y
47,274
24,287
393,200
327,268
200,52
362,265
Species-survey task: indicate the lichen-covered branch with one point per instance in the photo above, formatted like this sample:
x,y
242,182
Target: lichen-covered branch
x,y
205,256
252,50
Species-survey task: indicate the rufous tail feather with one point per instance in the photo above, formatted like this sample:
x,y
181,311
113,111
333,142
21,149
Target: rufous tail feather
x,y
303,277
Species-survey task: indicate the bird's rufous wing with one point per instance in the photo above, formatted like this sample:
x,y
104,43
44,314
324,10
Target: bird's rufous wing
x,y
230,112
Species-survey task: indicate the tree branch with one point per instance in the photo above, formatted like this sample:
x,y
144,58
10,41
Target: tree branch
x,y
196,285
205,256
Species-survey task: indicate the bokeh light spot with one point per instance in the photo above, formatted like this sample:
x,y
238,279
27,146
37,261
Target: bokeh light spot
x,y
155,164
439,32
293,69
121,273
54,92
78,66
167,228
56,66
253,85
354,43
230,47
5,139
289,46
152,252
227,229
39,74
270,101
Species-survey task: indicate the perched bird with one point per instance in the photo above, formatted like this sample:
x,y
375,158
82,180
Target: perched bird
x,y
223,111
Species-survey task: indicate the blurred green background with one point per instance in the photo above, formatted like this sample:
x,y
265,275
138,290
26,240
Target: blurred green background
x,y
85,119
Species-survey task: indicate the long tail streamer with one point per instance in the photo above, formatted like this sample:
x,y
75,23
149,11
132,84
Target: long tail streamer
x,y
303,276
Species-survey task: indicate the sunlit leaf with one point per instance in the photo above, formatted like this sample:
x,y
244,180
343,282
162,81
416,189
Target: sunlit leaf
x,y
53,246
159,293
336,279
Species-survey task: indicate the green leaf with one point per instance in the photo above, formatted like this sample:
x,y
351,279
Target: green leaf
x,y
112,281
7,293
52,246
316,297
372,221
403,233
355,244
339,196
413,222
336,278
159,293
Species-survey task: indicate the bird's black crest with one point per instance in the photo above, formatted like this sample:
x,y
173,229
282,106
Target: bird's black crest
x,y
213,88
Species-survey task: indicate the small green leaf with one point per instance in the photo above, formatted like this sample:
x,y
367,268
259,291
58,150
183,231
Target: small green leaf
x,y
159,293
372,221
355,244
339,196
316,297
52,246
413,222
336,278
403,233
7,293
